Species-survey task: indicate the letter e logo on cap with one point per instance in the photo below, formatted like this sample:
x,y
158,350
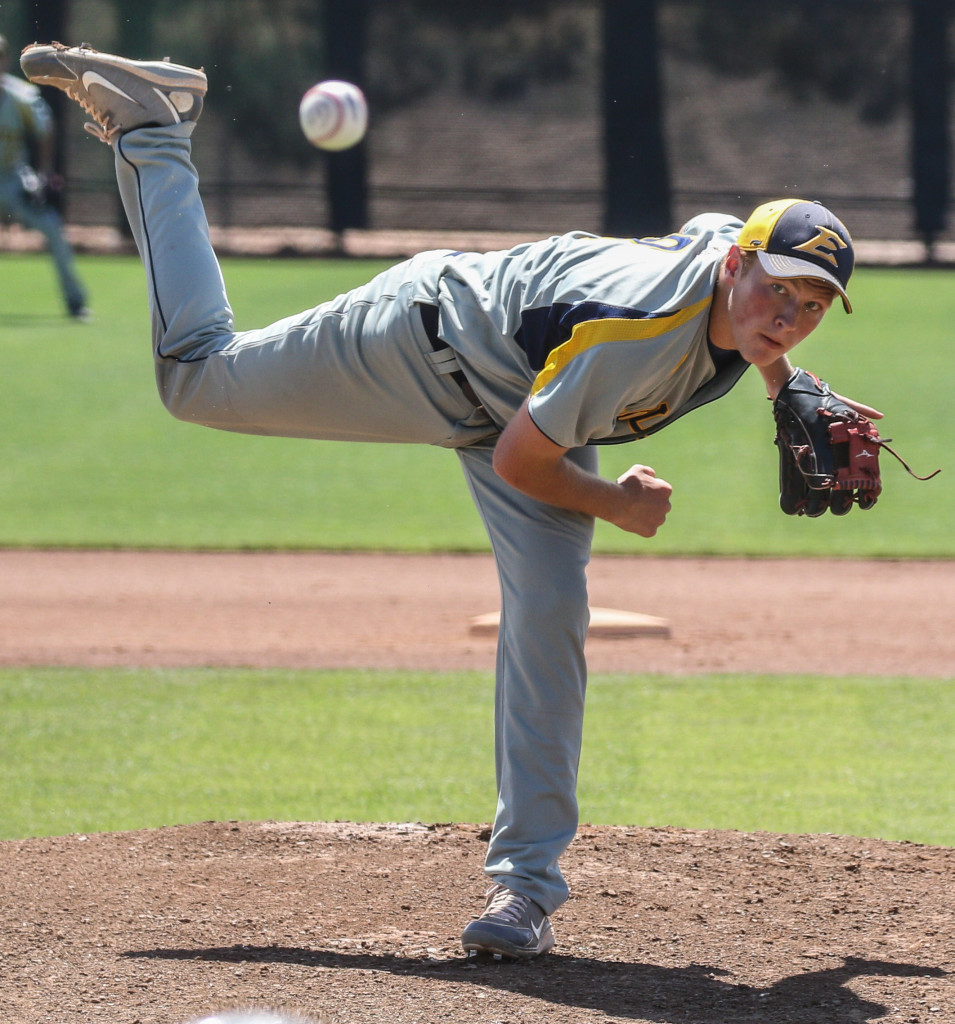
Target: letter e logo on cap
x,y
824,245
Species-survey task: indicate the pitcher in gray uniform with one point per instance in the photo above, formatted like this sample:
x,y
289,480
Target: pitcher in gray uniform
x,y
522,361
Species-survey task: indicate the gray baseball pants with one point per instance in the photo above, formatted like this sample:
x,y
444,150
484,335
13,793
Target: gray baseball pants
x,y
360,367
48,222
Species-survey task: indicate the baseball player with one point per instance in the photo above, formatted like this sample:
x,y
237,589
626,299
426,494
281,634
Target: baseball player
x,y
26,123
522,361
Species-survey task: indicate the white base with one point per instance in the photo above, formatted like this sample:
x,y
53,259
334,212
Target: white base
x,y
604,622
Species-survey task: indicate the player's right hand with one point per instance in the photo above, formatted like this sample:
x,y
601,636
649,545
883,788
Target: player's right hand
x,y
645,501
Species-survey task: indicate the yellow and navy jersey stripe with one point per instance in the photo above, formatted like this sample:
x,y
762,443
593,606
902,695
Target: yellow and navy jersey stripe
x,y
585,325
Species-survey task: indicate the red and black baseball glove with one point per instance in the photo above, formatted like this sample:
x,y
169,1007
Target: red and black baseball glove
x,y
828,452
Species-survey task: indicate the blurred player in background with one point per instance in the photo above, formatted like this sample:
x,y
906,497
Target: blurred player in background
x,y
27,179
522,361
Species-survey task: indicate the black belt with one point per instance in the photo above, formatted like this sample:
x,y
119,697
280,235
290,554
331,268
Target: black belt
x,y
429,317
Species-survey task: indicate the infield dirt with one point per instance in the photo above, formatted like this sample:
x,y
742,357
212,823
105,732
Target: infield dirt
x,y
348,922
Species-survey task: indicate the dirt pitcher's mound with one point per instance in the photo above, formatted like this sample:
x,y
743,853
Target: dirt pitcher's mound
x,y
352,924
360,924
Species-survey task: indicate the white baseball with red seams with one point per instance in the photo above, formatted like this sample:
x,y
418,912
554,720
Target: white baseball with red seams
x,y
333,114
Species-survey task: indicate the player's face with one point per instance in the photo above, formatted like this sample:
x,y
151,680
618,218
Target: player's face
x,y
767,316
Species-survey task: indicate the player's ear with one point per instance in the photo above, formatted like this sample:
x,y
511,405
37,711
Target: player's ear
x,y
733,261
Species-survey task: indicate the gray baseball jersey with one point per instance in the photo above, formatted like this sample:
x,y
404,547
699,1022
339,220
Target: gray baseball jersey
x,y
608,336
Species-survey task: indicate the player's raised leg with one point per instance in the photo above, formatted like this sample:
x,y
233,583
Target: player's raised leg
x,y
354,368
158,185
189,308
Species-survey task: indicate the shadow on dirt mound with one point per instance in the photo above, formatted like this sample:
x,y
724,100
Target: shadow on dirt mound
x,y
361,923
634,991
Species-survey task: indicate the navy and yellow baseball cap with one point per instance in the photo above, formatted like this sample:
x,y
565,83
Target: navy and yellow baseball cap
x,y
798,238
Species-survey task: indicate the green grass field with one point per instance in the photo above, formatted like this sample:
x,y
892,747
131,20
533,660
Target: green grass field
x,y
100,751
88,457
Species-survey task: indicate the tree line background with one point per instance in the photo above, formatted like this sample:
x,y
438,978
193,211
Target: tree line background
x,y
625,116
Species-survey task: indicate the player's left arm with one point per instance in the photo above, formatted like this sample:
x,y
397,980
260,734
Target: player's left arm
x,y
777,373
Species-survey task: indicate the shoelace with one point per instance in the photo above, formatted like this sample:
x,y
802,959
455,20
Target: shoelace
x,y
507,907
103,130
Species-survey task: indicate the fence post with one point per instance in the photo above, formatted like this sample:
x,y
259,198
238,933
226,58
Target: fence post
x,y
344,36
134,38
49,22
636,175
929,96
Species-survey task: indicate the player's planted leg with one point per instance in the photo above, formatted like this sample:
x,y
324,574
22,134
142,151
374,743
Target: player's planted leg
x,y
541,554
